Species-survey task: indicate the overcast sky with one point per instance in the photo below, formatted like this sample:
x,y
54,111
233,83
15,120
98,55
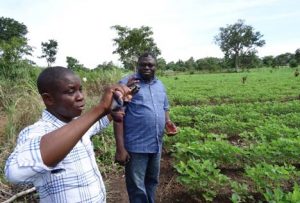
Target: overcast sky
x,y
182,28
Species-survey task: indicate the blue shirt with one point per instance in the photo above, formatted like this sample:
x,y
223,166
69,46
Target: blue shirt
x,y
75,179
144,120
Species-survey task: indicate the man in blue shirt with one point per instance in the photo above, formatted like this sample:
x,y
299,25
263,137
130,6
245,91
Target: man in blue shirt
x,y
139,138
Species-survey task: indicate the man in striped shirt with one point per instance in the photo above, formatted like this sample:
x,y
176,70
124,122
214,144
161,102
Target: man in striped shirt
x,y
56,153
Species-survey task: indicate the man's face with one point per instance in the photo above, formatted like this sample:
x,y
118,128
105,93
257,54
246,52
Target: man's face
x,y
68,98
146,67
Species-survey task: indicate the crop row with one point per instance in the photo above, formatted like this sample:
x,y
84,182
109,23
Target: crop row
x,y
280,85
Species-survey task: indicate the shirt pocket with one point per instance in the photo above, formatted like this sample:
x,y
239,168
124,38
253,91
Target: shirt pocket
x,y
160,97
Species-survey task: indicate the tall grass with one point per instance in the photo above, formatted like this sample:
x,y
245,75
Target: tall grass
x,y
96,80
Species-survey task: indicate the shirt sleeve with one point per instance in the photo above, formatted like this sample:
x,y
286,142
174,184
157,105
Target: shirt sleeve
x,y
98,126
166,104
166,101
25,164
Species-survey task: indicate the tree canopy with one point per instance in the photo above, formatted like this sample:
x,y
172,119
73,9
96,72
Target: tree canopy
x,y
238,40
132,42
73,64
49,50
10,28
13,45
13,42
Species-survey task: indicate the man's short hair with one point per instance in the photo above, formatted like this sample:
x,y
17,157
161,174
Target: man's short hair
x,y
48,79
145,55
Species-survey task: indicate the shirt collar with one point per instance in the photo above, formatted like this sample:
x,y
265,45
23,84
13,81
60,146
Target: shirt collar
x,y
48,117
139,77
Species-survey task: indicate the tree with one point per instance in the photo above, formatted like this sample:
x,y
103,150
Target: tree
x,y
73,64
133,42
209,63
268,61
49,50
180,65
238,39
171,66
10,28
283,59
297,56
161,63
190,64
250,60
12,50
13,45
106,66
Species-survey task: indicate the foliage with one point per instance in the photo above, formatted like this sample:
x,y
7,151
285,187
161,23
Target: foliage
x,y
238,39
13,45
283,59
133,42
268,61
240,192
10,28
297,56
97,79
266,176
203,176
222,153
277,195
49,50
209,63
16,95
106,66
293,63
73,63
252,132
225,125
250,60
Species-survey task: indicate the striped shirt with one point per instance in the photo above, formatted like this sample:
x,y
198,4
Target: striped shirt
x,y
75,179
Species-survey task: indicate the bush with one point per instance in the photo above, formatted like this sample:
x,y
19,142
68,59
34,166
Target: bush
x,y
293,63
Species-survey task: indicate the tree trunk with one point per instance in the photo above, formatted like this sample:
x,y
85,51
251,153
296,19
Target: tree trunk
x,y
236,62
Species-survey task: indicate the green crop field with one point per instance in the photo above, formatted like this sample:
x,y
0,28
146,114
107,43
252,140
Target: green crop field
x,y
237,136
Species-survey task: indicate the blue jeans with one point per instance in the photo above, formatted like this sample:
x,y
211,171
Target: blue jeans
x,y
142,175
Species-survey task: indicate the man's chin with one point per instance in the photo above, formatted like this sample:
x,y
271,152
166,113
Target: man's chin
x,y
147,76
79,112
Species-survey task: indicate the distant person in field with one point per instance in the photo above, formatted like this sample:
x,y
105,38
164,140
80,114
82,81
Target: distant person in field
x,y
139,138
56,153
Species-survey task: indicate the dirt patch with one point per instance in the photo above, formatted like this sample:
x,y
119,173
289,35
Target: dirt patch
x,y
3,121
116,188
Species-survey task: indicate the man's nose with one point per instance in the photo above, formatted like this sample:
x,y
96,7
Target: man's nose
x,y
79,95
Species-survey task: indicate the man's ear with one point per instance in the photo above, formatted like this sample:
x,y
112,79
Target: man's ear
x,y
48,99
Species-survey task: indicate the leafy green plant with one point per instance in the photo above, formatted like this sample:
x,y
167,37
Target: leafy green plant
x,y
280,151
277,195
220,152
240,192
202,176
267,176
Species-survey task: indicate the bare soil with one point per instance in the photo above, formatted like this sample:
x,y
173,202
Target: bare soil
x,y
2,126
